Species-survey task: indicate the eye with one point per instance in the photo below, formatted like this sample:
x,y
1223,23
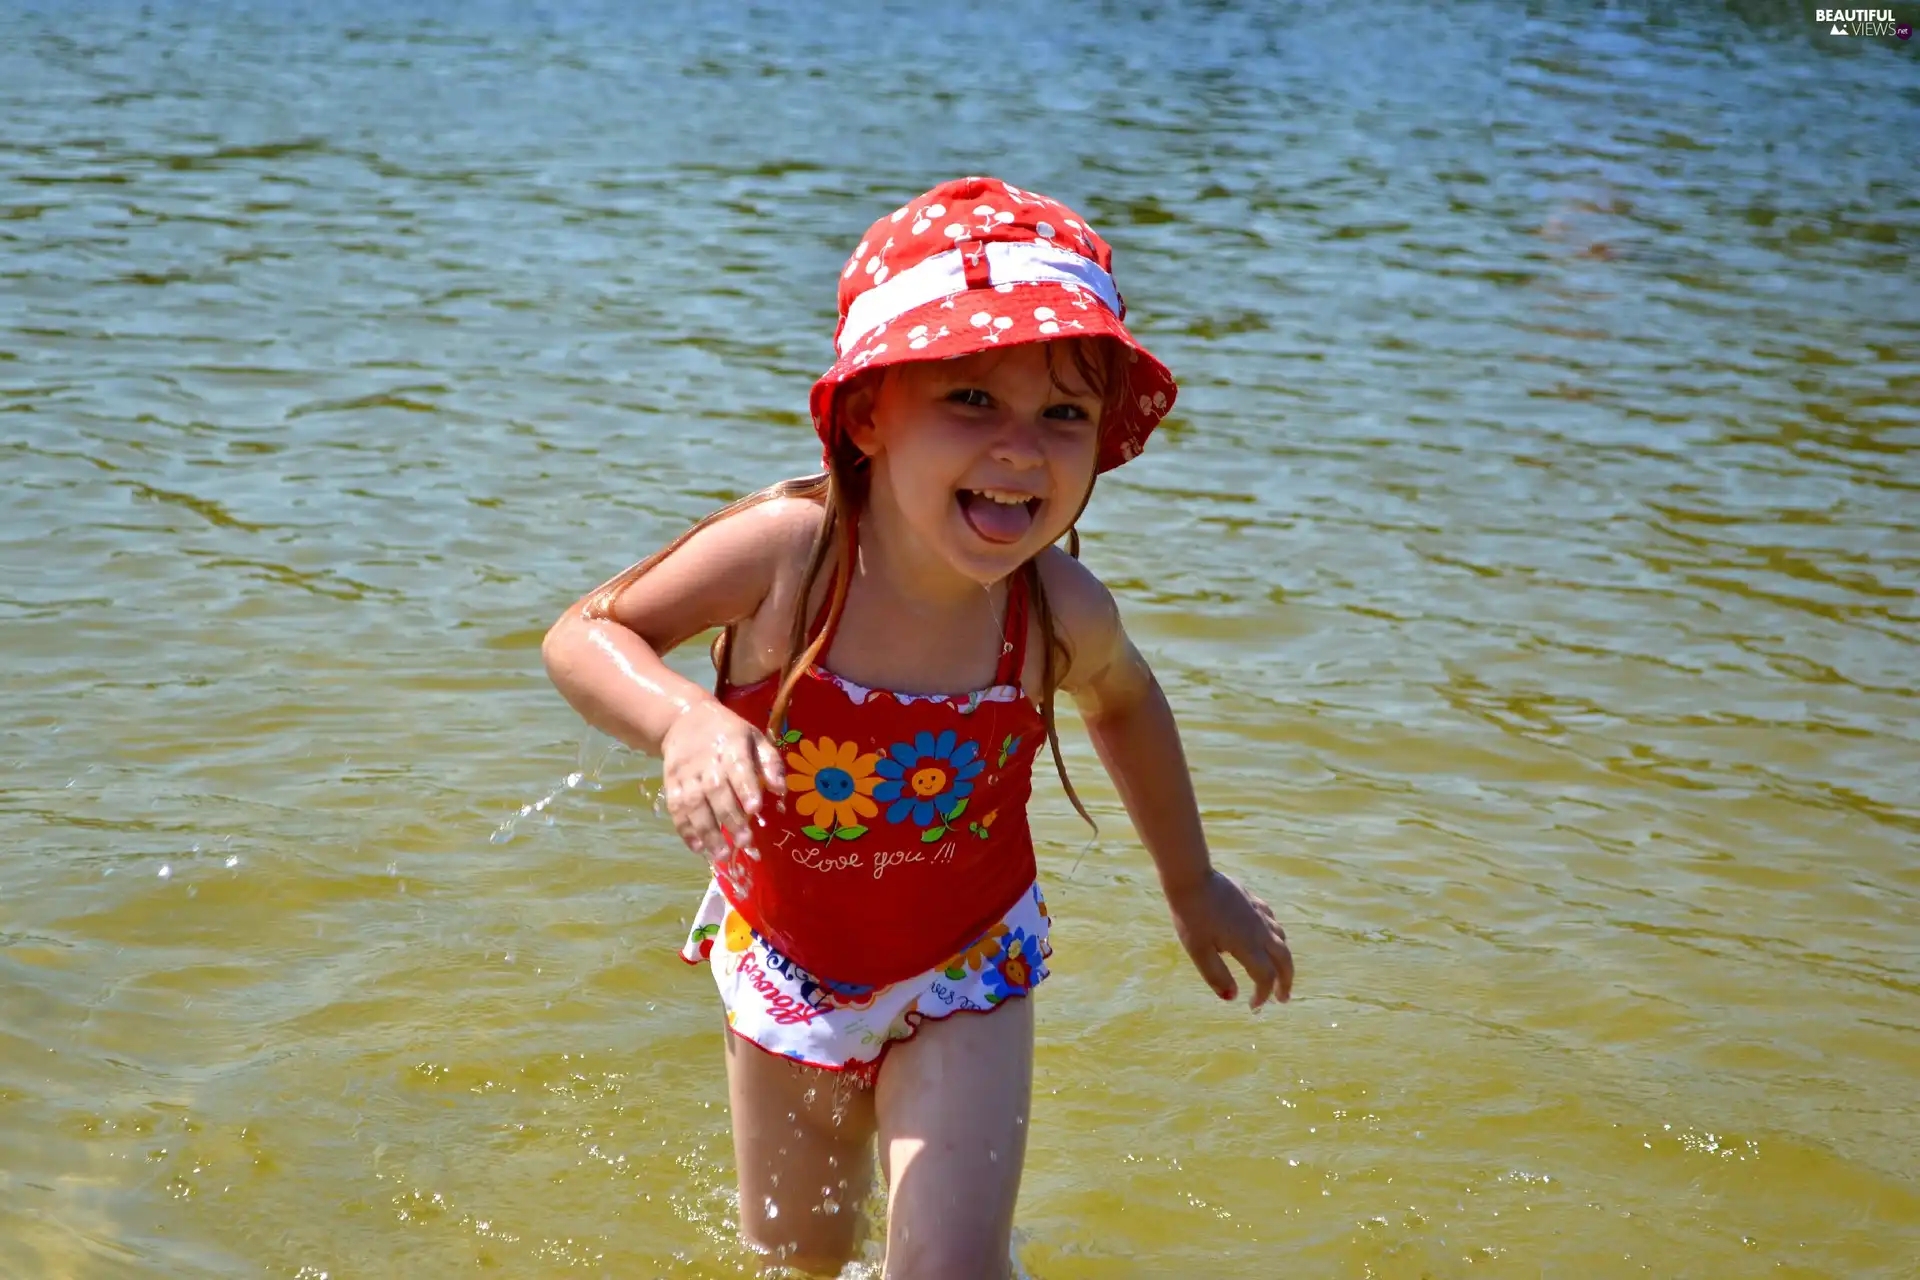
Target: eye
x,y
972,397
1067,413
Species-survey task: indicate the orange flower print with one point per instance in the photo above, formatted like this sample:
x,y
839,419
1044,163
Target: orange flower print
x,y
739,932
834,783
984,827
983,950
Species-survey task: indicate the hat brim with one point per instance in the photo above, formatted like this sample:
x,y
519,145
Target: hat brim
x,y
976,320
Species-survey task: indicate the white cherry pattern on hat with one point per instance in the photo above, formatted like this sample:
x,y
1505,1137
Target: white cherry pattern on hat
x,y
925,217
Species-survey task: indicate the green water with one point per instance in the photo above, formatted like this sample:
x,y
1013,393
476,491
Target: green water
x,y
1532,564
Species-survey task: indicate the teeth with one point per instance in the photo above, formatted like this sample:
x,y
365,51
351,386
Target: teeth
x,y
1005,497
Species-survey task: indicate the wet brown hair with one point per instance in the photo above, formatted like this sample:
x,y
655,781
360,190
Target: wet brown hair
x,y
841,491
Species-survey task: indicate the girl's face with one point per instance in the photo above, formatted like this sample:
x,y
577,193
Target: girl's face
x,y
987,458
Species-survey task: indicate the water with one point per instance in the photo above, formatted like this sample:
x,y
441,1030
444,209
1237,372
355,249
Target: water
x,y
1532,563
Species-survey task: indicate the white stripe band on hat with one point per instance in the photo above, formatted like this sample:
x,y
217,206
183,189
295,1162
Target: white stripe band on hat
x,y
944,274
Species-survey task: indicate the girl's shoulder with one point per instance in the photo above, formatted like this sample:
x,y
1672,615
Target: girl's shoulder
x,y
1086,619
725,570
777,534
778,523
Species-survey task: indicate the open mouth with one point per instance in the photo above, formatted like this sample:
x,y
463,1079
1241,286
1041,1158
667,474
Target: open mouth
x,y
998,515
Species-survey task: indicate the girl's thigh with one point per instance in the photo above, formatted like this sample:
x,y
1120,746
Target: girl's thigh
x,y
803,1144
952,1108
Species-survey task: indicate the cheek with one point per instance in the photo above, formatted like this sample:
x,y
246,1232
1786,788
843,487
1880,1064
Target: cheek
x,y
1071,459
929,460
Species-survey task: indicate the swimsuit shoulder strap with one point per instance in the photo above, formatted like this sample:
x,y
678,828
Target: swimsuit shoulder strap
x,y
1013,640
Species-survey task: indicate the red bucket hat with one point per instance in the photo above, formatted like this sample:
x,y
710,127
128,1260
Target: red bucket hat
x,y
978,263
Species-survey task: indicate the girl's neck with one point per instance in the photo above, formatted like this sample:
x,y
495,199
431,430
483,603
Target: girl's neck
x,y
905,570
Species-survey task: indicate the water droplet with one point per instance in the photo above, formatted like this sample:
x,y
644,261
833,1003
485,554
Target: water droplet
x,y
773,1210
165,872
233,860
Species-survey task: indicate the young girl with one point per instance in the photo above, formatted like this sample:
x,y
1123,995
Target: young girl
x,y
893,633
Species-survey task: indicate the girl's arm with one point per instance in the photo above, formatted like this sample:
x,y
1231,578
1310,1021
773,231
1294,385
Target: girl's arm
x,y
1133,731
609,669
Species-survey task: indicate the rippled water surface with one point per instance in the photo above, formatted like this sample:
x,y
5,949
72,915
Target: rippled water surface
x,y
1533,564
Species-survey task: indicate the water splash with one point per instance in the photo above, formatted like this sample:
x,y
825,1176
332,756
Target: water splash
x,y
596,749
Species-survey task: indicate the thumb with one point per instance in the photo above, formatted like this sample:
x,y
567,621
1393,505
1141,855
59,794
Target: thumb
x,y
1214,970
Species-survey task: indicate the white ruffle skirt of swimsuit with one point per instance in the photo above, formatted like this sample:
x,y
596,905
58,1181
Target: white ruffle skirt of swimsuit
x,y
777,1005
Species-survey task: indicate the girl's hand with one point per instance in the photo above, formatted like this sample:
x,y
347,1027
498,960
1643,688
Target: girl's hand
x,y
714,769
1218,917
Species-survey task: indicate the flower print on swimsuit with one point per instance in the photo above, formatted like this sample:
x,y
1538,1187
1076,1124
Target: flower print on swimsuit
x,y
1011,971
836,995
984,949
926,781
739,932
834,784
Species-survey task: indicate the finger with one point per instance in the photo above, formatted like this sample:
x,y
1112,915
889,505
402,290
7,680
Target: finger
x,y
702,829
1260,971
689,834
1283,964
743,777
772,768
1214,970
725,805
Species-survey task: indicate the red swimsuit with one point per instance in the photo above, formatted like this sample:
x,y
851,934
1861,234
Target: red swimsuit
x,y
904,834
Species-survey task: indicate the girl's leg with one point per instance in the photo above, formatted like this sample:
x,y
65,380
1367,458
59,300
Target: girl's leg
x,y
952,1107
802,1141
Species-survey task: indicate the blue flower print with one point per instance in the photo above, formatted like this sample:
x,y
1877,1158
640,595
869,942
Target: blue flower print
x,y
927,781
1015,968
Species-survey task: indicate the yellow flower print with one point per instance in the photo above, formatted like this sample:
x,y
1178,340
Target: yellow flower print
x,y
739,932
834,783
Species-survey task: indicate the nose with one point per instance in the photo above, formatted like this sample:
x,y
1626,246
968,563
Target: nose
x,y
1017,443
